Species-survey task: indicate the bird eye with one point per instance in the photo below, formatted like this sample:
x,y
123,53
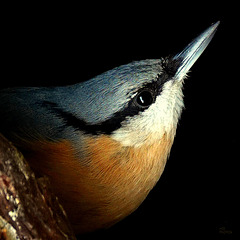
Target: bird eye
x,y
144,98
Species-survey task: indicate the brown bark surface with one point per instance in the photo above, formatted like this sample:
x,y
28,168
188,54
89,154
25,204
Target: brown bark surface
x,y
28,208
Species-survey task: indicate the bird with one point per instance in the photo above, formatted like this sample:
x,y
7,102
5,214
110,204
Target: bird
x,y
104,142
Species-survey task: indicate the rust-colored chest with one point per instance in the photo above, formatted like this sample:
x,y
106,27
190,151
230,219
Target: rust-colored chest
x,y
107,183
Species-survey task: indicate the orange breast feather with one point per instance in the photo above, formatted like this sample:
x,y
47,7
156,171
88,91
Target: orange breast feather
x,y
104,183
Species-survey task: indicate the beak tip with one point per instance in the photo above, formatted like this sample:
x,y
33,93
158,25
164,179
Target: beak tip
x,y
194,49
216,24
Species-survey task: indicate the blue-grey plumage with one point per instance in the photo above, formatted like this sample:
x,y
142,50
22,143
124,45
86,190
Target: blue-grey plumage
x,y
93,101
120,124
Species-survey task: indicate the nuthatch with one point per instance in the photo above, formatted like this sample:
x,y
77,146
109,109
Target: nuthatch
x,y
104,142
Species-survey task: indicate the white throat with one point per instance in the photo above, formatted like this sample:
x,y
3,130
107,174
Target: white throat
x,y
160,118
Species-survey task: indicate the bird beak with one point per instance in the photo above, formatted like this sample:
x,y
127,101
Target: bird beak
x,y
193,50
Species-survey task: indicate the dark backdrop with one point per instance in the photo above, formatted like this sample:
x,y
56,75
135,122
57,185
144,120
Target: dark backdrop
x,y
50,46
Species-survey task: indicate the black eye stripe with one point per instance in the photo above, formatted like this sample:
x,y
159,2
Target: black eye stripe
x,y
115,122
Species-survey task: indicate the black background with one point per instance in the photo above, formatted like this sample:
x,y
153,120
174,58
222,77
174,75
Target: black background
x,y
59,45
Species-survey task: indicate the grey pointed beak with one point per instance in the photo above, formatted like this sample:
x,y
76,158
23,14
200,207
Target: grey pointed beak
x,y
193,50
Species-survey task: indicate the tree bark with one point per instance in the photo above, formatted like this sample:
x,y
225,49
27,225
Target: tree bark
x,y
28,208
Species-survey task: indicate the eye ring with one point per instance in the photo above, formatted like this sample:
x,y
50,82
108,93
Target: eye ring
x,y
144,98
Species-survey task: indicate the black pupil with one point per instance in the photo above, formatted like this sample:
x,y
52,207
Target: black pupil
x,y
145,98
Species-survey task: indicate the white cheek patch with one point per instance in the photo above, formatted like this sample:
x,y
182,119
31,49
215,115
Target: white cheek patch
x,y
160,118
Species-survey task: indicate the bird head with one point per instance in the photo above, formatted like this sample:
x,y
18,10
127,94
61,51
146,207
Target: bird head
x,y
136,103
